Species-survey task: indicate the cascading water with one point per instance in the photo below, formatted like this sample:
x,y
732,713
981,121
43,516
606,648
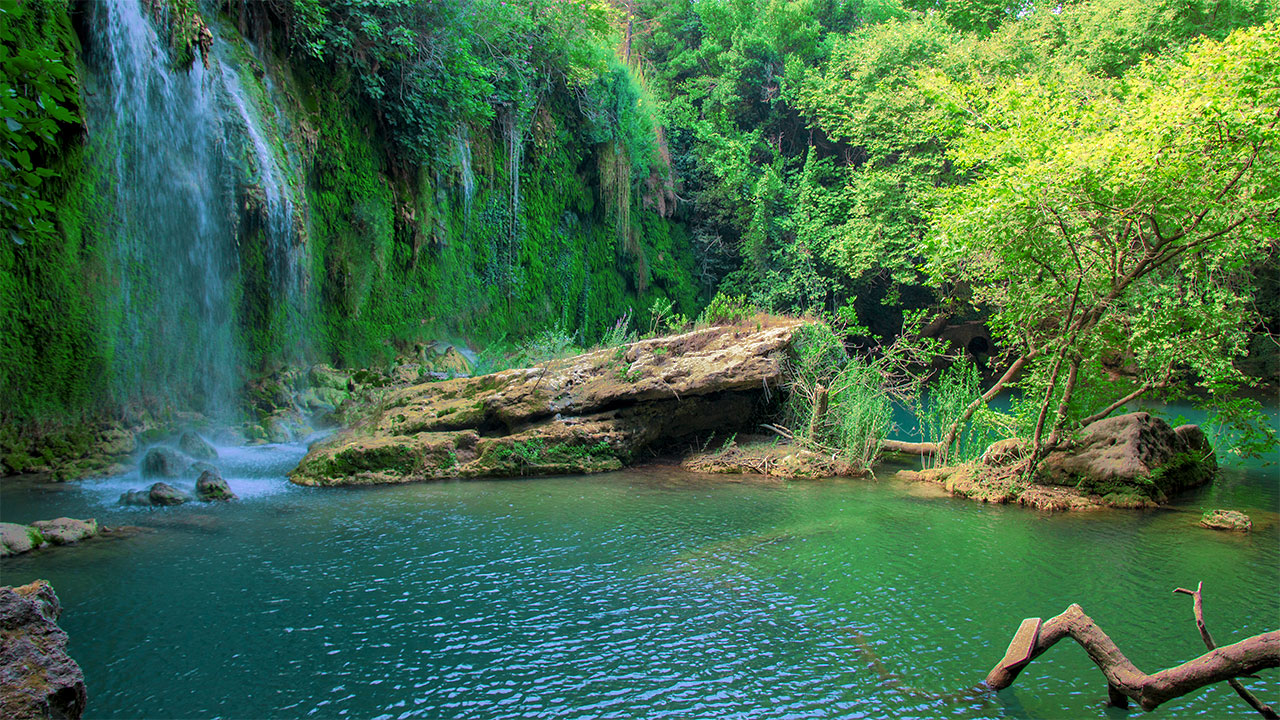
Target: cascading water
x,y
184,161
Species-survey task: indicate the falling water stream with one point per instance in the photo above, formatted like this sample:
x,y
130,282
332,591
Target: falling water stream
x,y
183,155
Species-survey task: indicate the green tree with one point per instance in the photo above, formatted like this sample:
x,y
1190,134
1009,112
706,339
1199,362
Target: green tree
x,y
1115,224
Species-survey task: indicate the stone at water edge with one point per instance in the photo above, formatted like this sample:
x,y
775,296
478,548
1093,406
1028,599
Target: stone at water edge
x,y
16,539
196,446
1228,520
165,494
37,677
162,462
64,531
136,497
1136,455
211,487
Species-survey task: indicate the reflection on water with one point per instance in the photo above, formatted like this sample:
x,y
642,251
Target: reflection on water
x,y
634,594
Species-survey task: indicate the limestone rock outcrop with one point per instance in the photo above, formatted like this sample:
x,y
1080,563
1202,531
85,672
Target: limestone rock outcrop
x,y
589,413
37,677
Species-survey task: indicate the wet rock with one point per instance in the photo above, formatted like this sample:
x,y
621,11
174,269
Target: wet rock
x,y
195,470
211,487
196,446
1228,520
164,494
277,430
64,531
323,376
589,413
1131,455
162,462
16,539
136,497
37,677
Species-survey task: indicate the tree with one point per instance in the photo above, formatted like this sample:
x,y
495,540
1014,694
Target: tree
x,y
1114,226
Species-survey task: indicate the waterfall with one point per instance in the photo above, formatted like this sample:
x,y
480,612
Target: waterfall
x,y
181,158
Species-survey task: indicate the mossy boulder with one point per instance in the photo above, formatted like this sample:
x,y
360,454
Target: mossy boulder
x,y
16,539
1227,520
1136,454
162,462
64,531
163,495
211,487
196,446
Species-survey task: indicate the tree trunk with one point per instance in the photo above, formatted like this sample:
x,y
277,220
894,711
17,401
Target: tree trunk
x,y
1125,680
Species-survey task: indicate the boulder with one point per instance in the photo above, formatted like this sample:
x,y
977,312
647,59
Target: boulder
x,y
323,376
589,413
64,531
1229,520
16,539
1136,454
195,470
196,446
164,495
136,497
211,487
37,677
162,462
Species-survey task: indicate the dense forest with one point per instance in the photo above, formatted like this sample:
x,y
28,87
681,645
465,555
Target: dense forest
x,y
1094,181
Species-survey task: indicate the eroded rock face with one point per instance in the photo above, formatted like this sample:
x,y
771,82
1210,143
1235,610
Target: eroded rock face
x,y
589,413
37,677
1136,454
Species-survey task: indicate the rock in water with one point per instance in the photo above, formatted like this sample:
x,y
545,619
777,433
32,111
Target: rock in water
x,y
162,462
37,677
589,413
212,487
195,470
196,446
1135,454
164,494
64,531
1229,520
16,539
136,497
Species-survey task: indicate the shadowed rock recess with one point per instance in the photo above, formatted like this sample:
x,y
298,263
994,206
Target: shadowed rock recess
x,y
590,413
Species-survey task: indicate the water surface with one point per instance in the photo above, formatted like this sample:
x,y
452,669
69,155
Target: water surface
x,y
647,593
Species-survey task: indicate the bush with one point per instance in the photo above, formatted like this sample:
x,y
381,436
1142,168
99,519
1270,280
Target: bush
x,y
726,309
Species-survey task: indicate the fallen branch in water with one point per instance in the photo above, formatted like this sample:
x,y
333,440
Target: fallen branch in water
x,y
909,448
1124,680
1198,607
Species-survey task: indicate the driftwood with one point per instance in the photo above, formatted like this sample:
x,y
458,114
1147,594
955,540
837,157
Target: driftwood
x,y
1198,607
909,448
1124,680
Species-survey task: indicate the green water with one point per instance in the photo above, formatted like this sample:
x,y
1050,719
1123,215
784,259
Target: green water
x,y
633,594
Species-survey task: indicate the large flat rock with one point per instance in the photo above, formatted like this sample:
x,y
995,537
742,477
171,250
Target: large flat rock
x,y
589,413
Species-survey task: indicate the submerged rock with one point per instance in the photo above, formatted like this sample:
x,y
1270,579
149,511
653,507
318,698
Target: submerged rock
x,y
162,462
1136,455
64,531
136,497
589,413
211,487
1229,520
16,539
195,470
196,446
37,677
